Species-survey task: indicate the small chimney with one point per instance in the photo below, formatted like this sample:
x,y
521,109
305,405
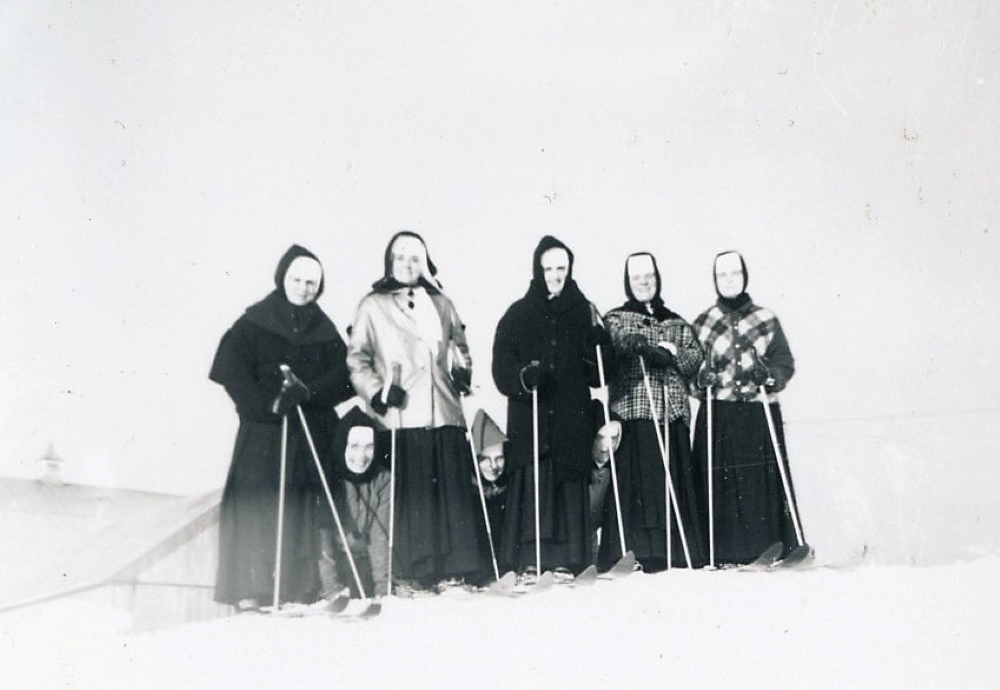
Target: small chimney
x,y
50,470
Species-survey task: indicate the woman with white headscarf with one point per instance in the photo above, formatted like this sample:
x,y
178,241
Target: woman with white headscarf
x,y
287,327
745,348
410,362
647,334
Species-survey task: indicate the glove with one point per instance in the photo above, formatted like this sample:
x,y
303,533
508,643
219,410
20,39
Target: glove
x,y
395,398
293,393
461,380
761,376
634,343
533,375
598,336
657,356
707,378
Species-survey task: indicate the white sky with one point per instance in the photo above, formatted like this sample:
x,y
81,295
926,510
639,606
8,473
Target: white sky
x,y
157,158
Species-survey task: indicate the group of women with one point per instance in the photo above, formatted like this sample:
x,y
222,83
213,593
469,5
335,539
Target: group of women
x,y
287,369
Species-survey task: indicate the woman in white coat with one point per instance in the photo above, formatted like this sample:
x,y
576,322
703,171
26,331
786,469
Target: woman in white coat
x,y
409,361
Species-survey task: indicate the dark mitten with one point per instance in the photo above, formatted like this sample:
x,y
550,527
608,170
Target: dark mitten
x,y
533,375
634,343
461,380
394,398
657,357
598,336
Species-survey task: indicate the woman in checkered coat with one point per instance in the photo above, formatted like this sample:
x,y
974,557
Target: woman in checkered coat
x,y
745,348
645,332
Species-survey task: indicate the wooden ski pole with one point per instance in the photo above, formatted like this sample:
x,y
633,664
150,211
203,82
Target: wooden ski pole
x,y
275,600
779,458
666,461
394,379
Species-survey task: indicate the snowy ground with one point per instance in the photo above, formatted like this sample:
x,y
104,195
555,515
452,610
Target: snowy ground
x,y
871,626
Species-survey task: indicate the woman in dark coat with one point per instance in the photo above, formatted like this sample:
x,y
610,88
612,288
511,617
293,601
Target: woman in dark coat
x,y
745,347
286,327
644,327
546,341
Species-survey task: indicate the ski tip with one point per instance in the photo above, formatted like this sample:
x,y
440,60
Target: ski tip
x,y
625,566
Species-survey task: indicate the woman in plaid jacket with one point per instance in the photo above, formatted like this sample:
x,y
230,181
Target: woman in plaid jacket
x,y
745,348
644,328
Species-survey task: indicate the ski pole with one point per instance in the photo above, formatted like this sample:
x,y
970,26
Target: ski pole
x,y
482,494
333,506
666,461
395,368
779,458
535,462
668,503
711,490
281,515
611,449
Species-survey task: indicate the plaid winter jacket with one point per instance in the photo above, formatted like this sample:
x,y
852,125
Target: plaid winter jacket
x,y
731,338
627,390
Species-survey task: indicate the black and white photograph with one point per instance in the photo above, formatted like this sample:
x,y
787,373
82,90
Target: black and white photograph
x,y
503,344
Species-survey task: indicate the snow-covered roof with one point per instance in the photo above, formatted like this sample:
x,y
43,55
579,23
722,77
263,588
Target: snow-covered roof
x,y
63,537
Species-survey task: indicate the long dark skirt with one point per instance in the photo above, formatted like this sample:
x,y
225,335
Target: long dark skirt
x,y
435,530
248,520
642,489
563,507
751,511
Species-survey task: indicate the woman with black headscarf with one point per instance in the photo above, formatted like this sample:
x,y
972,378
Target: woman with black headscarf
x,y
546,342
645,328
285,328
410,362
745,348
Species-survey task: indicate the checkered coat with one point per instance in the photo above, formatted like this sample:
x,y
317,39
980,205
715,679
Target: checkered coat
x,y
729,337
627,391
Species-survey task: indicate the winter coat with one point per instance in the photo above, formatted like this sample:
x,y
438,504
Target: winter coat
x,y
364,509
627,389
384,333
270,333
556,333
730,337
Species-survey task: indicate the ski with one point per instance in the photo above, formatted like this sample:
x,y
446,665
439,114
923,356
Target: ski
x,y
799,557
766,559
623,568
340,608
585,578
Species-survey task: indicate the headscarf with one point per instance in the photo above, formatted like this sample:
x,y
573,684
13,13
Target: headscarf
x,y
338,446
537,273
659,310
293,253
740,299
387,283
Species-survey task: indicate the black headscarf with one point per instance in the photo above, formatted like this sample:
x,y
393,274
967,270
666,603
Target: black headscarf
x,y
338,446
537,273
659,310
740,299
299,323
388,284
293,253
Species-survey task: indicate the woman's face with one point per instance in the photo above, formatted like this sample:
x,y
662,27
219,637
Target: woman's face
x,y
491,462
729,275
408,259
360,450
302,280
642,277
555,268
